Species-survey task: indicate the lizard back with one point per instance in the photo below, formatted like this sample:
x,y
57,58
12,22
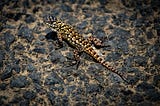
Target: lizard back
x,y
67,33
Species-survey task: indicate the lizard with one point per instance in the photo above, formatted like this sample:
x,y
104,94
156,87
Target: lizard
x,y
66,32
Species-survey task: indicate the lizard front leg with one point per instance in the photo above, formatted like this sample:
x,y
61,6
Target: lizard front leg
x,y
60,41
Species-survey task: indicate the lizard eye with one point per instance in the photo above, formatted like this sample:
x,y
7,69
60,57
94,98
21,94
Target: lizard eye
x,y
50,19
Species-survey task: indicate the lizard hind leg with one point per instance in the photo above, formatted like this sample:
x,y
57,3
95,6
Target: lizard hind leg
x,y
77,58
97,42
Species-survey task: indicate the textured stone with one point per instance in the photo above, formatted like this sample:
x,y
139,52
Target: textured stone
x,y
65,101
153,95
81,1
150,35
82,103
115,21
56,57
146,11
156,80
99,21
120,34
19,47
72,1
129,61
127,92
138,23
9,39
137,98
39,50
53,79
157,59
133,79
29,95
61,101
94,100
24,103
99,33
26,4
113,56
7,73
84,78
29,18
30,68
93,88
66,8
39,89
158,32
16,67
104,103
133,17
141,61
17,99
15,16
79,91
103,2
25,33
3,86
36,9
35,77
155,4
111,92
145,87
19,82
70,89
51,97
145,103
59,89
2,56
82,25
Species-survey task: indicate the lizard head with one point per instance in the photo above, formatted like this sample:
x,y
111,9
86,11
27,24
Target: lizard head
x,y
51,21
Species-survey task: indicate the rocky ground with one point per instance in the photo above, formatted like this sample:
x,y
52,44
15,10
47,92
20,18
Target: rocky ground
x,y
35,70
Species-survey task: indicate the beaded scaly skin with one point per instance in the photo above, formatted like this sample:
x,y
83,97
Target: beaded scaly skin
x,y
68,33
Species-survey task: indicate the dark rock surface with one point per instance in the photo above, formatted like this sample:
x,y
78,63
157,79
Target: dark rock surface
x,y
29,95
25,33
19,82
7,73
37,69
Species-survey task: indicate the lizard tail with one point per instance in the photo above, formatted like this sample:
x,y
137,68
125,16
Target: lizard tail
x,y
111,68
95,55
